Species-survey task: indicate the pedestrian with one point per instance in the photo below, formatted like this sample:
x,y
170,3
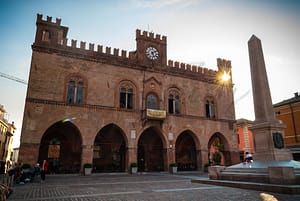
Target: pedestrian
x,y
17,173
44,170
36,171
249,158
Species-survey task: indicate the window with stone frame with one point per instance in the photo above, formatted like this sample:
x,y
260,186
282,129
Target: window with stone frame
x,y
126,96
210,109
174,102
75,90
152,101
45,35
60,37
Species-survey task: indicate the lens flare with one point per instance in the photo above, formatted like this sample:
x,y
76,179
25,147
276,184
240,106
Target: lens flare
x,y
70,119
225,76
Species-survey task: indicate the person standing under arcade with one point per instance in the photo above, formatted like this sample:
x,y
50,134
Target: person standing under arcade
x,y
44,170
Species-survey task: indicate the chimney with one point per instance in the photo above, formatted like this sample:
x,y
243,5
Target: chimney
x,y
296,94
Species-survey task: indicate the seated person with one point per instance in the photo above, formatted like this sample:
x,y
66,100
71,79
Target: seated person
x,y
248,157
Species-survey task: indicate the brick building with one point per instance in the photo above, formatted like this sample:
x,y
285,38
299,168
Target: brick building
x,y
112,108
288,112
245,137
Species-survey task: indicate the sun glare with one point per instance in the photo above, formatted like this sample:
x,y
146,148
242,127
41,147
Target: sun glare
x,y
225,76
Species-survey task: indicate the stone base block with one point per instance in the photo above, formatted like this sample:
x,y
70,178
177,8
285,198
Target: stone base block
x,y
215,171
281,175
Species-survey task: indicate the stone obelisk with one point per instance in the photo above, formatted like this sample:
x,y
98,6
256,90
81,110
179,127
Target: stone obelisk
x,y
273,163
267,131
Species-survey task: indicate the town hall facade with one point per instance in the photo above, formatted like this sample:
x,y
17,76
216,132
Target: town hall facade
x,y
112,108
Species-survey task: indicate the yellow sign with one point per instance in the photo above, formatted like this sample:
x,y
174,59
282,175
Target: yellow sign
x,y
53,151
159,114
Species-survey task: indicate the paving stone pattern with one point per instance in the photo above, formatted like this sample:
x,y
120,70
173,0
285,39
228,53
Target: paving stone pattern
x,y
139,187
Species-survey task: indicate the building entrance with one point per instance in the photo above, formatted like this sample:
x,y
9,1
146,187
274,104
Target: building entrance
x,y
109,150
186,156
219,150
61,147
150,151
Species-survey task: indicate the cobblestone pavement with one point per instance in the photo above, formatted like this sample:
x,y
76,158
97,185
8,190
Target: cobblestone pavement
x,y
142,187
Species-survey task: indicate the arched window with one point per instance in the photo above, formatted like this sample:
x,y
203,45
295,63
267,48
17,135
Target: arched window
x,y
152,102
45,35
126,98
210,109
174,102
79,92
75,91
126,93
71,92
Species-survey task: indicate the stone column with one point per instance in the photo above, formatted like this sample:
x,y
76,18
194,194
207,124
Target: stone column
x,y
87,155
267,131
199,162
132,156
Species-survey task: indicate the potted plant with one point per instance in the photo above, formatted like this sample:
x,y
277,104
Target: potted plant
x,y
87,168
173,168
217,158
133,168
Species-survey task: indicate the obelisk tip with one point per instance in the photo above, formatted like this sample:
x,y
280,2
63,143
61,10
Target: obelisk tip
x,y
253,37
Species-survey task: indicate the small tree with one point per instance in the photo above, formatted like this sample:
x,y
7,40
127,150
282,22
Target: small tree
x,y
87,168
133,168
87,165
219,146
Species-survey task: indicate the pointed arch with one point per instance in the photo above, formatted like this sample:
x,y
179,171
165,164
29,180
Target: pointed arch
x,y
61,146
219,144
75,89
186,155
151,154
126,95
210,107
174,101
152,101
110,149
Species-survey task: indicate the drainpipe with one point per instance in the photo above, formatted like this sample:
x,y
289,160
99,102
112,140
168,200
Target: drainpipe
x,y
143,95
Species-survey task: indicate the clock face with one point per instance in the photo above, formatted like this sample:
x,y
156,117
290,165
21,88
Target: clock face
x,y
152,53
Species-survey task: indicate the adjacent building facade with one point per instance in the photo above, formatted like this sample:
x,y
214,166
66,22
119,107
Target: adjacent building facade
x,y
7,131
288,111
112,108
245,137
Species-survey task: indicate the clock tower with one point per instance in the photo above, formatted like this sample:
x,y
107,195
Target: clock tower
x,y
151,50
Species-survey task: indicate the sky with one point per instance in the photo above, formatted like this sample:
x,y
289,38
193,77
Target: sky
x,y
198,32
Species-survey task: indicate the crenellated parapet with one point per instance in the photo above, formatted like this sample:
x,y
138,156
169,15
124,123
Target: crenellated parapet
x,y
149,36
48,20
188,68
224,64
52,37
